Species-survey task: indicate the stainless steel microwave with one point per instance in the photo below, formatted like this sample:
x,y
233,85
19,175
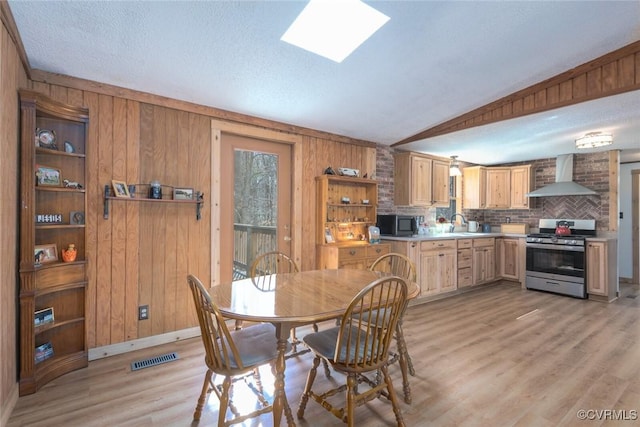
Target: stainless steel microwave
x,y
397,225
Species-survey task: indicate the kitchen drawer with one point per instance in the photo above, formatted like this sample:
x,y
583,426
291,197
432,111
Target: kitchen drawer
x,y
432,245
352,252
465,243
484,242
376,251
465,277
465,258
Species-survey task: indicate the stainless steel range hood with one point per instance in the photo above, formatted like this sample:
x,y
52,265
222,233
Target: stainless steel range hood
x,y
564,185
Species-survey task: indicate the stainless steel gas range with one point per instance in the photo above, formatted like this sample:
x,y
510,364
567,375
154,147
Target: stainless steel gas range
x,y
556,263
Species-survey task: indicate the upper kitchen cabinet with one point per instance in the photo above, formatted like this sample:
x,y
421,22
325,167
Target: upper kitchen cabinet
x,y
474,185
420,180
496,187
521,184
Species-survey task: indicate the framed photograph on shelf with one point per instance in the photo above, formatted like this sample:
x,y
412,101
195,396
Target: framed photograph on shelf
x,y
328,236
76,218
183,193
43,352
47,176
42,317
45,253
120,188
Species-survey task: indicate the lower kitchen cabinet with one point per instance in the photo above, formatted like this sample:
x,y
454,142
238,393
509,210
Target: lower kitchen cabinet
x,y
484,260
601,271
465,263
437,266
511,258
359,256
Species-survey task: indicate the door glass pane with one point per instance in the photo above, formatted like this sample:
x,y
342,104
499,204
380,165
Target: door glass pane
x,y
255,215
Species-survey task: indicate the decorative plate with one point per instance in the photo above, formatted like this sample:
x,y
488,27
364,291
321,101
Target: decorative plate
x,y
46,138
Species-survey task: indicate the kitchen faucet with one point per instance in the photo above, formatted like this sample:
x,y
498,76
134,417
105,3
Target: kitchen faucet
x,y
452,227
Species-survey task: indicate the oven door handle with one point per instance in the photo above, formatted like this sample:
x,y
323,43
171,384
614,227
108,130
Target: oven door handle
x,y
553,247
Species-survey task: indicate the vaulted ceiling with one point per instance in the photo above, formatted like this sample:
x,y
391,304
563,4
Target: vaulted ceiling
x,y
423,73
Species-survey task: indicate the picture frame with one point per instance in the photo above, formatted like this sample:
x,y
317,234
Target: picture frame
x,y
120,188
183,193
44,316
45,253
76,218
47,176
328,236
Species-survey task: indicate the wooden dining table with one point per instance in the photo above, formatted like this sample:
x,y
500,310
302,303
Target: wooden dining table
x,y
293,299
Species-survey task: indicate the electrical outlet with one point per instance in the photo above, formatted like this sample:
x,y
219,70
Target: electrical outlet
x,y
143,312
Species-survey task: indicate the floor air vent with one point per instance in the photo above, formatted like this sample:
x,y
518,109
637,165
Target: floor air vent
x,y
153,361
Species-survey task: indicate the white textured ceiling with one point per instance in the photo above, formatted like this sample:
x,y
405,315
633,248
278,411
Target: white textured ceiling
x,y
433,61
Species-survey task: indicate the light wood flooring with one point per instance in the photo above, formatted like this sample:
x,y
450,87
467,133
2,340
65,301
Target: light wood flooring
x,y
497,356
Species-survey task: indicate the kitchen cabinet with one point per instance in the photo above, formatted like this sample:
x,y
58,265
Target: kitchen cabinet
x,y
437,266
53,277
465,263
484,264
511,258
474,187
420,180
601,272
359,256
496,187
521,184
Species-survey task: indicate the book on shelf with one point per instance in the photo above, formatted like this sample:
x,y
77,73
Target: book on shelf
x,y
43,352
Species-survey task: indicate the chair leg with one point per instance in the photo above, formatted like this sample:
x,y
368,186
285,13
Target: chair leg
x,y
224,401
238,325
392,396
307,388
203,395
404,362
327,370
352,383
294,340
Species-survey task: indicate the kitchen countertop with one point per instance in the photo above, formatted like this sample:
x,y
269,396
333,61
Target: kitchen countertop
x,y
447,236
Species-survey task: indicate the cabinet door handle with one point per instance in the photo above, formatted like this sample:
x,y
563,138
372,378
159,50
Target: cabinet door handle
x,y
378,250
352,252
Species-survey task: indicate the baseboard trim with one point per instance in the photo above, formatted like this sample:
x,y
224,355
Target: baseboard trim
x,y
140,343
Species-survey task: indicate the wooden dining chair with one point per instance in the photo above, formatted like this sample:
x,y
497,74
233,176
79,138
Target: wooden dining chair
x,y
358,345
232,354
262,272
399,265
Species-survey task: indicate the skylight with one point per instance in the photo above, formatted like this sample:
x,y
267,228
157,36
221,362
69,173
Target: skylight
x,y
334,28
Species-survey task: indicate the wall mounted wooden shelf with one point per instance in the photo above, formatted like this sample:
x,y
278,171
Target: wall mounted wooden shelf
x,y
197,201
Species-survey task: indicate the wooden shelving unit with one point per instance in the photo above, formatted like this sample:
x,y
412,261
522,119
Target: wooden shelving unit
x,y
53,285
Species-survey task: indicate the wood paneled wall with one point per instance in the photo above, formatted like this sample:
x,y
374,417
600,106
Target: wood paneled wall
x,y
143,252
12,77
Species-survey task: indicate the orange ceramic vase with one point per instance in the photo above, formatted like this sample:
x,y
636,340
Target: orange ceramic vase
x,y
69,254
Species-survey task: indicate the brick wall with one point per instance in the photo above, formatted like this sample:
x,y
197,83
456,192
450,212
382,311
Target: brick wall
x,y
590,170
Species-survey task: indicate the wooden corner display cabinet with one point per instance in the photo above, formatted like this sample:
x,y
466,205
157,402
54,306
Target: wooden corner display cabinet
x,y
53,204
346,206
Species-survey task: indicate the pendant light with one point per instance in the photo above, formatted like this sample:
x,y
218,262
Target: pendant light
x,y
454,167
